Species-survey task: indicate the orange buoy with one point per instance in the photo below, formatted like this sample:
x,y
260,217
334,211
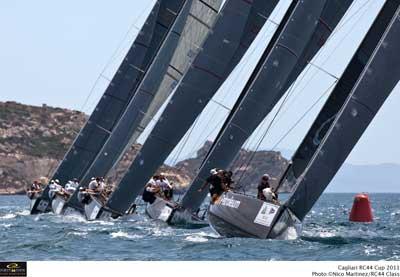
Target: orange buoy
x,y
361,210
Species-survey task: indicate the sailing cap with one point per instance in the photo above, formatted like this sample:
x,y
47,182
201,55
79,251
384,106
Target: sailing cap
x,y
213,171
266,176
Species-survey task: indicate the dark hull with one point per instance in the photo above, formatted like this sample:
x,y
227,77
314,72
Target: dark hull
x,y
170,213
236,215
40,205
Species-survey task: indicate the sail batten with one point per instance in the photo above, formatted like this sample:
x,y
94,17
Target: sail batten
x,y
218,57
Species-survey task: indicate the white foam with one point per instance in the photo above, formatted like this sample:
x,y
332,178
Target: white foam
x,y
107,223
74,218
121,234
196,239
8,216
79,234
24,213
6,225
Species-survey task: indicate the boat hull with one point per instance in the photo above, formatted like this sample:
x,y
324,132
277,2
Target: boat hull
x,y
95,210
161,209
58,204
236,215
172,214
39,205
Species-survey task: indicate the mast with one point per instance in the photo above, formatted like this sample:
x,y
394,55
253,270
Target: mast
x,y
379,77
119,92
183,42
337,98
297,43
238,24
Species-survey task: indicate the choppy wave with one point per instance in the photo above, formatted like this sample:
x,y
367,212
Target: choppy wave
x,y
8,216
121,234
327,235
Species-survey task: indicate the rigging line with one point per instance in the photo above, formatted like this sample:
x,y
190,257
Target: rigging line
x,y
114,55
304,115
209,134
307,70
286,98
198,143
322,64
325,61
243,66
266,31
233,83
183,143
288,94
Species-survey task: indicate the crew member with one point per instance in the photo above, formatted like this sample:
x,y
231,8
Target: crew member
x,y
264,191
216,185
151,190
84,196
71,186
33,189
165,186
96,185
55,187
228,182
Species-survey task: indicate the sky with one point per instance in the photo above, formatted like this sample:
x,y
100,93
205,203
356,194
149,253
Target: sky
x,y
63,53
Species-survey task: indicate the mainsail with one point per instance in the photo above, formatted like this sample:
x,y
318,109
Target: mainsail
x,y
182,45
238,24
381,73
337,98
119,92
296,45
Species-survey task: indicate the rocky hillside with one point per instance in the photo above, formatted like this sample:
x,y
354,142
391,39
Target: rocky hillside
x,y
34,139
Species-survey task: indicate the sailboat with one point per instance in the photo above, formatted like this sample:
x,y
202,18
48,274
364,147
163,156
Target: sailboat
x,y
237,26
240,32
114,100
324,19
182,45
349,110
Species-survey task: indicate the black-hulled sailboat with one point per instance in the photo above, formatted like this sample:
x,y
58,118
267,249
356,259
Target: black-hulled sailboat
x,y
239,24
175,57
114,100
235,29
290,64
355,100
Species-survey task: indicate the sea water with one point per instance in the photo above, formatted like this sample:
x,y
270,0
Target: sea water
x,y
327,235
